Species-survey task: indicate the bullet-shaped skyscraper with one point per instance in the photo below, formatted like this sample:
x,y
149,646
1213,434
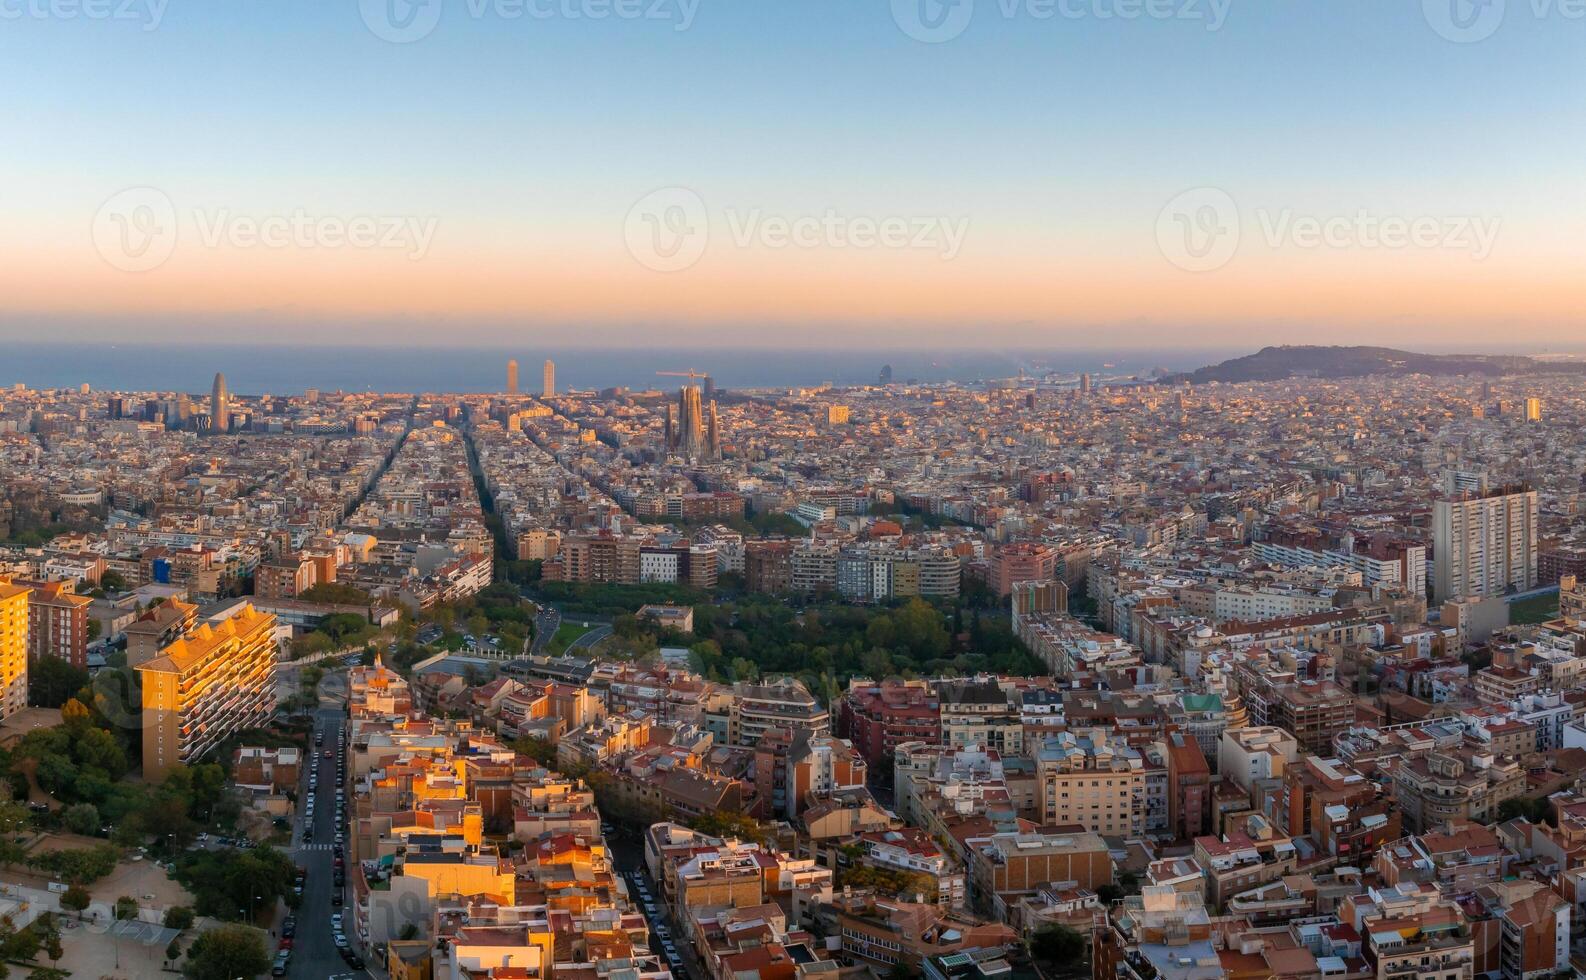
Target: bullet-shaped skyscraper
x,y
219,405
512,377
550,378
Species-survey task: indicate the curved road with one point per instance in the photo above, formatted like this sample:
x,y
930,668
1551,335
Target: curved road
x,y
588,640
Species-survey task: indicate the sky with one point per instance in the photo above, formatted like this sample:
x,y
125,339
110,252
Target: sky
x,y
800,173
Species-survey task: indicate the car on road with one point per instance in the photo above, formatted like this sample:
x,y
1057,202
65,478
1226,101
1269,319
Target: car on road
x,y
278,967
353,959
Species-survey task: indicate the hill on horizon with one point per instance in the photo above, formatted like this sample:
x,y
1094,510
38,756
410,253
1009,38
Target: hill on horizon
x,y
1278,363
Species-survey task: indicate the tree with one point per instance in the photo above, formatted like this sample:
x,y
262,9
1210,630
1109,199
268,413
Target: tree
x,y
1536,811
13,817
225,952
52,681
1057,944
18,944
80,866
537,749
178,917
173,952
126,908
49,936
236,885
74,712
75,898
82,818
730,824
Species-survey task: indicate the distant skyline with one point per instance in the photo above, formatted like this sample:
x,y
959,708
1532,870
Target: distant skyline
x,y
774,175
252,369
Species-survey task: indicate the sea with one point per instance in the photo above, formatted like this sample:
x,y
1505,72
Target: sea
x,y
288,370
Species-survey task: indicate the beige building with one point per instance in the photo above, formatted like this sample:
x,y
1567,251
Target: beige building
x,y
1094,780
1258,752
1484,545
1455,786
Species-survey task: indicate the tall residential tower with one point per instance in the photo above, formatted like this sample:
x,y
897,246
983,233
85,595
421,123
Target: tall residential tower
x,y
1484,544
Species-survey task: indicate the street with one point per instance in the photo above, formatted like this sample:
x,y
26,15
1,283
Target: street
x,y
588,640
546,622
314,952
627,859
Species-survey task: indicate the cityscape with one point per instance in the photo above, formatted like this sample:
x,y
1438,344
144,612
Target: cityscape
x,y
1273,667
807,490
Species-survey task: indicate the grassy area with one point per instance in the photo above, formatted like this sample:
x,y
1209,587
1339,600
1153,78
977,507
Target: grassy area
x,y
565,635
1536,609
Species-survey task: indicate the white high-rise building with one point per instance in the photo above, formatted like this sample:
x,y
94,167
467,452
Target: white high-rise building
x,y
1484,545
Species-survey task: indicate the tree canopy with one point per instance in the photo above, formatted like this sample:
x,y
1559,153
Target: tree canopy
x,y
225,952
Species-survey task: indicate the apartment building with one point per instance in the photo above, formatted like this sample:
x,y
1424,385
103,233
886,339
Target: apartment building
x,y
754,709
1021,561
911,850
980,712
1484,545
1455,784
1244,859
1410,932
1338,808
878,717
1259,752
1091,779
1008,867
58,623
886,934
13,647
156,628
1313,711
217,679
